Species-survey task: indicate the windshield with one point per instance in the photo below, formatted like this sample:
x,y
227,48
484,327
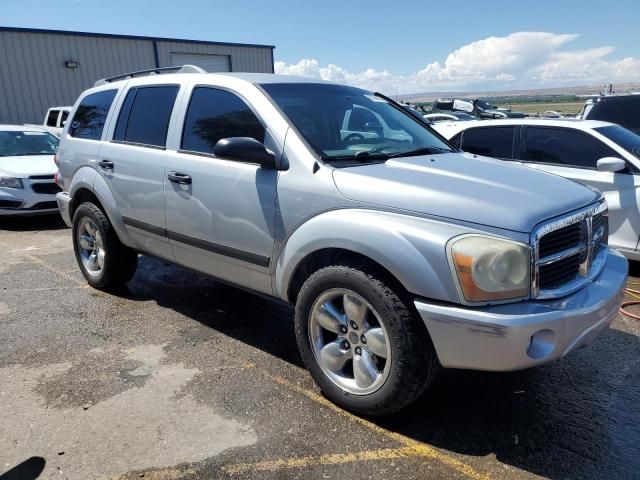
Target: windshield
x,y
623,137
27,143
347,123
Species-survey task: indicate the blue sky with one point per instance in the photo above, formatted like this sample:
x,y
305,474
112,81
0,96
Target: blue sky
x,y
402,44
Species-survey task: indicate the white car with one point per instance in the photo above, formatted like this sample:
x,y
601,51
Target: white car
x,y
27,171
602,155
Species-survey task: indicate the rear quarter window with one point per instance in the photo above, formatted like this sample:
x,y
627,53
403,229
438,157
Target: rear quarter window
x,y
90,116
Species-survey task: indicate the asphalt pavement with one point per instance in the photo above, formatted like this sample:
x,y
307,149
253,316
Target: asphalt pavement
x,y
181,377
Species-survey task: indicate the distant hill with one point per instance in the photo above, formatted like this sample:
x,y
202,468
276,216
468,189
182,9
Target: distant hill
x,y
580,90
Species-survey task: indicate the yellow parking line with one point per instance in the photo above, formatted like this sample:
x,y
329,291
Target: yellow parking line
x,y
53,269
417,448
330,459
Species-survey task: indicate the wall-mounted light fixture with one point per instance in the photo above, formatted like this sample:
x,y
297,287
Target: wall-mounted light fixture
x,y
71,64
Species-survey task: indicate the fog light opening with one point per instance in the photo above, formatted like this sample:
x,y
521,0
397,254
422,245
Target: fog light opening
x,y
542,344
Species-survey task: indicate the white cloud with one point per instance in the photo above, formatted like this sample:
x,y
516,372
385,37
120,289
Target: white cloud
x,y
521,59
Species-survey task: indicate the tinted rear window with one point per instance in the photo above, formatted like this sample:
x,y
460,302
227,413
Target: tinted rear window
x,y
88,121
494,142
144,116
215,114
624,111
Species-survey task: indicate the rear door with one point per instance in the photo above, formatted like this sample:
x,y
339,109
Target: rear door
x,y
132,163
574,154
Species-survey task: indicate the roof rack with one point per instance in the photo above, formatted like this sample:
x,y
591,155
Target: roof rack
x,y
152,71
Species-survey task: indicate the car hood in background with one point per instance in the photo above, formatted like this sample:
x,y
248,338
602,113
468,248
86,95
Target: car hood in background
x,y
463,187
24,166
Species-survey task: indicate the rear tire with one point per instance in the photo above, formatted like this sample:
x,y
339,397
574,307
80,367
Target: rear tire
x,y
401,362
103,260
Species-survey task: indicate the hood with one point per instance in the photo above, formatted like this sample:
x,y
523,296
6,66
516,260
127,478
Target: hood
x,y
466,188
24,166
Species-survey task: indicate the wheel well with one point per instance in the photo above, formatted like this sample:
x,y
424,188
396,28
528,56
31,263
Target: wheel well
x,y
81,196
335,256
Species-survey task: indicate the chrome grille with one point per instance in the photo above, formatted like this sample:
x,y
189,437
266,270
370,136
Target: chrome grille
x,y
569,252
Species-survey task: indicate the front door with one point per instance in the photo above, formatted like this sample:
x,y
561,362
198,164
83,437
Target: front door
x,y
220,212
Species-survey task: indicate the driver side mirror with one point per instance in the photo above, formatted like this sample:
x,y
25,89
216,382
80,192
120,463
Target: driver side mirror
x,y
610,164
245,149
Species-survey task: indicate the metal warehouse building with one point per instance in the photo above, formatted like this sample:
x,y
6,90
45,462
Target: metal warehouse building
x,y
40,69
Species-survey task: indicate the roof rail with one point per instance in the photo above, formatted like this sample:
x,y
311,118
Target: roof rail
x,y
152,71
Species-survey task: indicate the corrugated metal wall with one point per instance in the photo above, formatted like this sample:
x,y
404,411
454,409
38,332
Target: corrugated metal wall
x,y
33,76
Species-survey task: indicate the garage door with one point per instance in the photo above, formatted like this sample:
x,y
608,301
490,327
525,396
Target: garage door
x,y
211,63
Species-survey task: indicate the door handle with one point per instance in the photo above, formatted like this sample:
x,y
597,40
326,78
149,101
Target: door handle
x,y
106,164
179,177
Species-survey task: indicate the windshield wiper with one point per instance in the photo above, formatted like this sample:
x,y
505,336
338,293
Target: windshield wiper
x,y
431,150
363,156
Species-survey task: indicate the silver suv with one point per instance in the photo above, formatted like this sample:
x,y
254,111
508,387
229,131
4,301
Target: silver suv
x,y
401,254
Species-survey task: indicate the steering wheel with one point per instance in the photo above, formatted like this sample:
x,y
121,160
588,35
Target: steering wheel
x,y
352,137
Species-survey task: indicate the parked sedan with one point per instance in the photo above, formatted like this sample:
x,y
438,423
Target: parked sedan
x,y
27,170
600,154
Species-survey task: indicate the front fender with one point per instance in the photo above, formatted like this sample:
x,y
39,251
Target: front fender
x,y
411,248
87,178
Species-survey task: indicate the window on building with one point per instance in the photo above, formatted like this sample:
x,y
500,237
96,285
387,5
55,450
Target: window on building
x,y
88,120
215,114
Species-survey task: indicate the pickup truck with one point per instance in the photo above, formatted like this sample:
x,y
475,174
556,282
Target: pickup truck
x,y
55,119
400,253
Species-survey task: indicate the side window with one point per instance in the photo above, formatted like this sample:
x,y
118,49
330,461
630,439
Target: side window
x,y
63,117
215,114
359,118
144,116
563,147
456,140
88,121
494,142
52,118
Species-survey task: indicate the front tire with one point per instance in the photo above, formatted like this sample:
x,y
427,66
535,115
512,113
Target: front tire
x,y
103,260
362,340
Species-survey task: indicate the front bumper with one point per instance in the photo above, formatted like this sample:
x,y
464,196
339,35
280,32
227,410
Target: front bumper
x,y
27,201
64,200
521,335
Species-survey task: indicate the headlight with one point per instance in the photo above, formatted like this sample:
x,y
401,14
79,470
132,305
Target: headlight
x,y
9,182
489,268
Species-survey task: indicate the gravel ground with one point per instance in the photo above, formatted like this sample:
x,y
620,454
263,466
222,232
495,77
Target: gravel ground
x,y
180,377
